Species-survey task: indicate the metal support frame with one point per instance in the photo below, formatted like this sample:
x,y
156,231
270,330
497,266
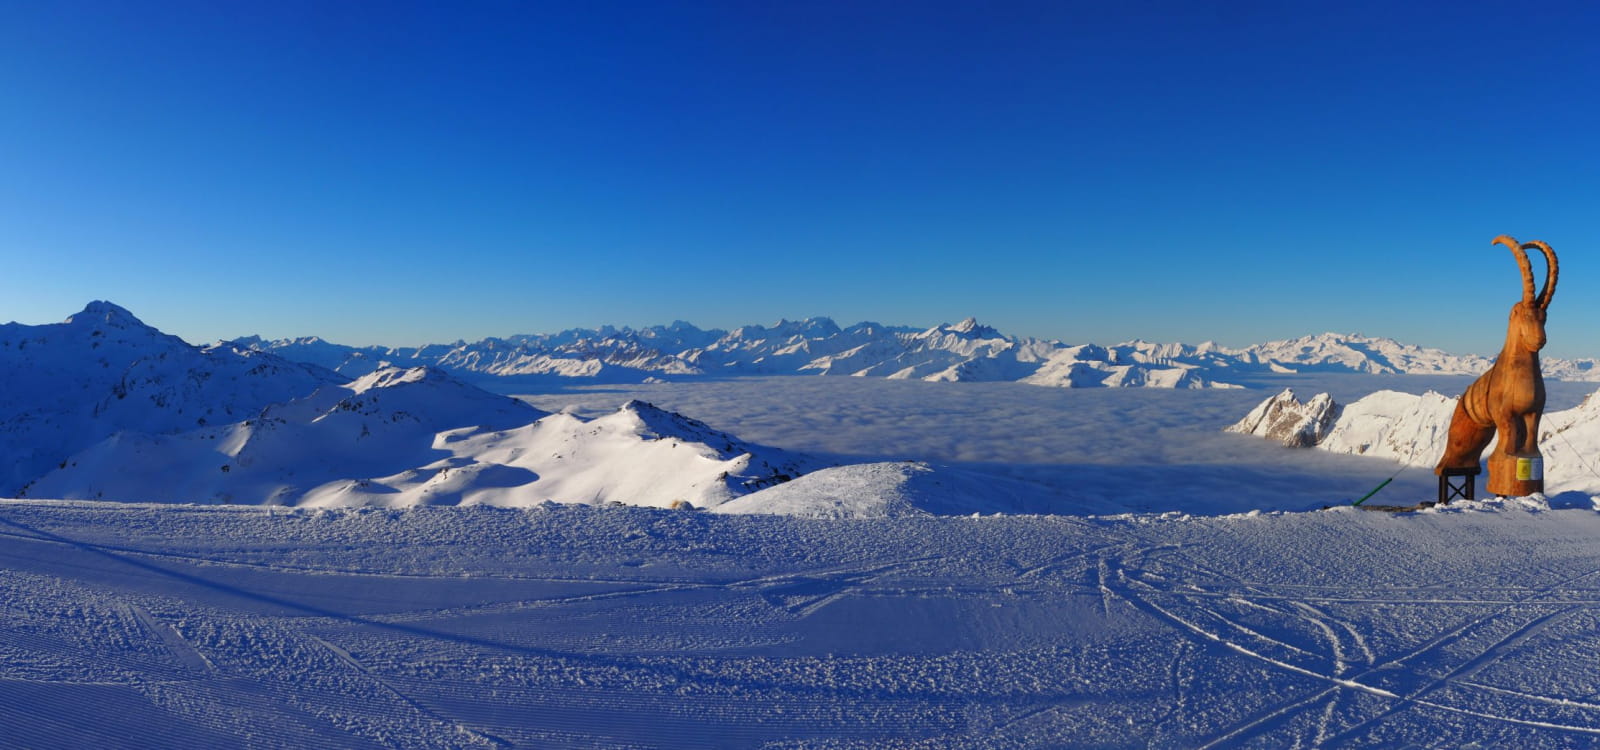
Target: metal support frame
x,y
1454,483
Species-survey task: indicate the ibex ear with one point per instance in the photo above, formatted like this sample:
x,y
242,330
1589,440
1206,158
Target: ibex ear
x,y
1554,271
1522,263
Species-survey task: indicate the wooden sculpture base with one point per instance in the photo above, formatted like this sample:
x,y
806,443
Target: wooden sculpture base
x,y
1515,476
1457,483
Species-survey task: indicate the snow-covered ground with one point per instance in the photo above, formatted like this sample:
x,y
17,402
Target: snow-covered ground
x,y
1195,621
579,626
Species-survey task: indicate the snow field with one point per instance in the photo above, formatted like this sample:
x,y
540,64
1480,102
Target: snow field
x,y
575,626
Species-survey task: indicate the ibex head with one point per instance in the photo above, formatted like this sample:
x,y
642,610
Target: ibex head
x,y
1526,330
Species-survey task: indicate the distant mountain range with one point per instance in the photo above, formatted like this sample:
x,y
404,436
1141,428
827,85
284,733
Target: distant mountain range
x,y
102,406
965,351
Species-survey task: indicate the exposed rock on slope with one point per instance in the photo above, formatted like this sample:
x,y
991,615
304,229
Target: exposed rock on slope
x,y
1386,424
1284,419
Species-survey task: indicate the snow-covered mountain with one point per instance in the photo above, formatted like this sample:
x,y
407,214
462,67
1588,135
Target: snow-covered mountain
x,y
1284,419
69,385
1412,430
1124,366
965,351
1333,352
637,455
1586,370
399,438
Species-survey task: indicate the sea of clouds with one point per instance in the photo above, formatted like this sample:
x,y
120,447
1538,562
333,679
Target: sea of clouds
x,y
1138,449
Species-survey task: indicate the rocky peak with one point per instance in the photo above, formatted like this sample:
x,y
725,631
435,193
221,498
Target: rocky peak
x,y
972,329
1285,419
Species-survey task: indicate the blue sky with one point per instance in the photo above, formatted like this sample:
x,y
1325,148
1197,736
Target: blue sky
x,y
398,173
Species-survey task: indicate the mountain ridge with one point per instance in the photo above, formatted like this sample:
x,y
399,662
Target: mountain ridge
x,y
964,351
102,371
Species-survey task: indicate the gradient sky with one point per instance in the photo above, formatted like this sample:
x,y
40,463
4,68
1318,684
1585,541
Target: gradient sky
x,y
397,173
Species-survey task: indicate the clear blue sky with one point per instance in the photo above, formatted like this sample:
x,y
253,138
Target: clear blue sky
x,y
384,172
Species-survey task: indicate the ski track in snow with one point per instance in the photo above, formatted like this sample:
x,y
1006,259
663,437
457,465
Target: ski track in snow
x,y
623,627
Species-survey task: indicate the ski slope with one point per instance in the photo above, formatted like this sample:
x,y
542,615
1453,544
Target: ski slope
x,y
580,626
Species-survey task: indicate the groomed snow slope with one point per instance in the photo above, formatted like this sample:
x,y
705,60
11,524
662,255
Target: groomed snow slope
x,y
577,626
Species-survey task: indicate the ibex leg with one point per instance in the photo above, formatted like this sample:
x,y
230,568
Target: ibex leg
x,y
1466,443
1529,445
1515,467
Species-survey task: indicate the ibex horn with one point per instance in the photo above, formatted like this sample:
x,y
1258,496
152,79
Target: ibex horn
x,y
1555,270
1522,262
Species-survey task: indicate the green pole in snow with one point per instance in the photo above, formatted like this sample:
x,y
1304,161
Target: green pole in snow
x,y
1374,491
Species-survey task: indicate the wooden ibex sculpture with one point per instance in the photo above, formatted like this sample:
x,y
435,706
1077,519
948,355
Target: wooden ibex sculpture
x,y
1509,398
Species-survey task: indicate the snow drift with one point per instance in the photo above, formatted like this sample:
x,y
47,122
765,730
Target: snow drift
x,y
900,489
